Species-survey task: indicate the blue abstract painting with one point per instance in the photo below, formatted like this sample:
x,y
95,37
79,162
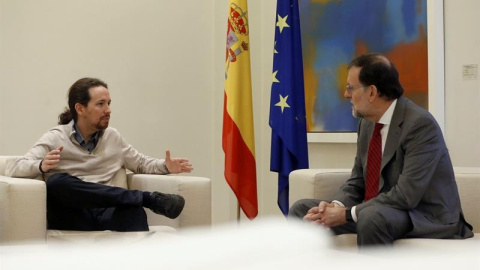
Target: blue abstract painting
x,y
335,31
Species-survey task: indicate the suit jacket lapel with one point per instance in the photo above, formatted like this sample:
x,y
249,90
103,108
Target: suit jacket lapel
x,y
393,136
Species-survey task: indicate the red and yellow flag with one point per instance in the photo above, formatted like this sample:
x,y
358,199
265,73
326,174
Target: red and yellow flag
x,y
238,137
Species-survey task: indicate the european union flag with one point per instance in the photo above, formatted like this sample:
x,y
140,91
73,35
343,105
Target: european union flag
x,y
287,109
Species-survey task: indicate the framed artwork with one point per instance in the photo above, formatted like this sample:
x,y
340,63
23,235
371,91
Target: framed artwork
x,y
408,32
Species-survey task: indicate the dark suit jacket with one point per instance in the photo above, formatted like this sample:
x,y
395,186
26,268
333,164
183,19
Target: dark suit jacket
x,y
416,174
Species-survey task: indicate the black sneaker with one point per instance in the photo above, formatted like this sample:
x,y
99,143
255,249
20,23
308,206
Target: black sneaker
x,y
169,205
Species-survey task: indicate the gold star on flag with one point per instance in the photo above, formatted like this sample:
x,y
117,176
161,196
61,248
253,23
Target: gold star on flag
x,y
283,103
274,76
282,22
275,50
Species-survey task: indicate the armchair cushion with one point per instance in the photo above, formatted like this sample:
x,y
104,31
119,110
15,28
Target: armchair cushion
x,y
81,237
22,210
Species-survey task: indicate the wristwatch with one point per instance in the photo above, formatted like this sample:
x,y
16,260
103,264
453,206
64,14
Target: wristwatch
x,y
348,214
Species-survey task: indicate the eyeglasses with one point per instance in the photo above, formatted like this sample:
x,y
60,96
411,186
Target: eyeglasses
x,y
350,88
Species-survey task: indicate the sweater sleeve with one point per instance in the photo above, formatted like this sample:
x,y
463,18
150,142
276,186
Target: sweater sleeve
x,y
27,166
140,163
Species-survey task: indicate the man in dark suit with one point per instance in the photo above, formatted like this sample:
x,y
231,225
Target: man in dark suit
x,y
412,192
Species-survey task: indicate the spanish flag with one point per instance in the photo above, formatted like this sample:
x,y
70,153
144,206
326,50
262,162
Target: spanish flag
x,y
238,137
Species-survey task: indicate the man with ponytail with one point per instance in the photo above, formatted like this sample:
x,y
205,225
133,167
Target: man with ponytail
x,y
78,160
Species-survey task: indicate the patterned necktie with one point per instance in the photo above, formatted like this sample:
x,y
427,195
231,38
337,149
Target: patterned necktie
x,y
374,161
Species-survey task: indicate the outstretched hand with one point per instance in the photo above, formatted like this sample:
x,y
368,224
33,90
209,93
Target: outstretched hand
x,y
51,160
177,165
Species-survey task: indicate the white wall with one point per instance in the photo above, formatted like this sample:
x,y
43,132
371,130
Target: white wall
x,y
462,97
164,62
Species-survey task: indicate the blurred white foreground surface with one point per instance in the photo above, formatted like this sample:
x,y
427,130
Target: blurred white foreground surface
x,y
261,244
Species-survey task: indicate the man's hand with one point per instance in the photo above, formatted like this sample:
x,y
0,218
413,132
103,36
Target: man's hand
x,y
177,165
51,160
332,215
327,214
312,215
317,212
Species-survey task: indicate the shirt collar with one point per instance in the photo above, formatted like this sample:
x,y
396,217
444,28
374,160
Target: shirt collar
x,y
79,138
387,116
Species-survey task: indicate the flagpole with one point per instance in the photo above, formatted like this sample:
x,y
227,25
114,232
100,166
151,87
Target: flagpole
x,y
238,212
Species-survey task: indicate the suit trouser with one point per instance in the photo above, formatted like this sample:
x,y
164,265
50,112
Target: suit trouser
x,y
73,204
376,225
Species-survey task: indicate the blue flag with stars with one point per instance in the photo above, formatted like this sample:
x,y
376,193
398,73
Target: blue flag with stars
x,y
287,103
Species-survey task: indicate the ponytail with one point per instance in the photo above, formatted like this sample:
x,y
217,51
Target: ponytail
x,y
65,117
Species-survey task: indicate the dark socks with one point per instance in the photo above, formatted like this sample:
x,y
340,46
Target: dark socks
x,y
147,199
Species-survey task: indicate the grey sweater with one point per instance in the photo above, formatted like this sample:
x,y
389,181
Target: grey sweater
x,y
110,155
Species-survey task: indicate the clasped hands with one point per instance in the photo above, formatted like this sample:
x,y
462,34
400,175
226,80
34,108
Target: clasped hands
x,y
326,214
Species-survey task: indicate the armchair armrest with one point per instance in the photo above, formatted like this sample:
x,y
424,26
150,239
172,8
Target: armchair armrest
x,y
316,183
196,191
22,210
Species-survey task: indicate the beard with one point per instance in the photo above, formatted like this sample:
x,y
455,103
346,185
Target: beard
x,y
357,114
102,124
360,113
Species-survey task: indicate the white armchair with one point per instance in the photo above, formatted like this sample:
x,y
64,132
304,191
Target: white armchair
x,y
324,183
23,204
